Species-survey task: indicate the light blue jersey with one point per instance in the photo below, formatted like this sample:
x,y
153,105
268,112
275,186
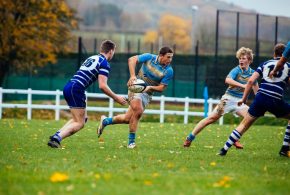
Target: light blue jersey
x,y
241,76
152,72
273,87
286,53
90,69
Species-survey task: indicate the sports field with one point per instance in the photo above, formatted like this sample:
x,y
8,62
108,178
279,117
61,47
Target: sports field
x,y
159,165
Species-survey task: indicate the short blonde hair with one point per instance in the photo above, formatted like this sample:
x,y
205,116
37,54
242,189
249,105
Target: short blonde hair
x,y
245,51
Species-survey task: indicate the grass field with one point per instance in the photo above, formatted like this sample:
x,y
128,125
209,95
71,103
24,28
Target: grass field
x,y
159,165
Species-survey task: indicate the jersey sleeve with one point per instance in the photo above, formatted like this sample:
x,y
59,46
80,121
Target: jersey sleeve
x,y
167,77
233,73
104,68
145,57
286,53
260,69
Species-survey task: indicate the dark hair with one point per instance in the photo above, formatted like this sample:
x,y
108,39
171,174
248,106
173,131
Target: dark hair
x,y
279,49
165,50
107,45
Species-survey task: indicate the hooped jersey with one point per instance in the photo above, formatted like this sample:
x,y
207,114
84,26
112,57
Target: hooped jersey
x,y
90,70
152,72
273,87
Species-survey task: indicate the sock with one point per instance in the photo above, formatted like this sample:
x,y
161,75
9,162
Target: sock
x,y
235,136
108,121
286,140
57,136
131,138
190,137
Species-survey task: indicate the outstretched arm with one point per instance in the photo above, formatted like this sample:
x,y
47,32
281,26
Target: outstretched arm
x,y
234,83
106,89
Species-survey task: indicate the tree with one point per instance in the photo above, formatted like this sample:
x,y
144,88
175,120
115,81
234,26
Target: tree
x,y
33,32
175,30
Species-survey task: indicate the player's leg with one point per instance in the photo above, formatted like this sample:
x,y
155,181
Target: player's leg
x,y
71,127
213,117
237,133
285,149
118,119
138,109
241,111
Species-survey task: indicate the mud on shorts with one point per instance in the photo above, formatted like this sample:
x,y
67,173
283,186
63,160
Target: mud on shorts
x,y
229,104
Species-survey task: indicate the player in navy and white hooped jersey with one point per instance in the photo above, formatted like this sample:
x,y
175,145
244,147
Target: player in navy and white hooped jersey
x,y
268,98
282,61
94,68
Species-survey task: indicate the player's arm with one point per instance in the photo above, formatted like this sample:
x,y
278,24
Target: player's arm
x,y
102,80
132,62
249,86
158,88
234,83
255,87
278,66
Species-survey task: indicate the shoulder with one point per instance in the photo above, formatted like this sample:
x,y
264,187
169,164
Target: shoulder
x,y
145,57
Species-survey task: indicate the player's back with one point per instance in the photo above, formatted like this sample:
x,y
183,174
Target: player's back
x,y
90,69
273,87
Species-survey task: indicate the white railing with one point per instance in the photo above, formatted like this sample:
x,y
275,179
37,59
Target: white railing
x,y
57,107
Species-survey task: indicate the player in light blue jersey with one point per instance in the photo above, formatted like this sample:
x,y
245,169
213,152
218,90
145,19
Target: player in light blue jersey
x,y
268,98
236,79
156,71
282,61
94,68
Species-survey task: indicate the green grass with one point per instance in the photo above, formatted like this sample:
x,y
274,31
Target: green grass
x,y
159,165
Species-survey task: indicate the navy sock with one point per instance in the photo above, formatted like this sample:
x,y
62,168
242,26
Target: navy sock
x,y
131,138
57,137
190,137
235,136
286,140
108,121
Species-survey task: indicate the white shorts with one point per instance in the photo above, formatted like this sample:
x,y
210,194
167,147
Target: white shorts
x,y
144,97
229,104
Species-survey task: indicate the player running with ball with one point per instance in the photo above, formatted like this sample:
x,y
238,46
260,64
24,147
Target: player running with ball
x,y
156,71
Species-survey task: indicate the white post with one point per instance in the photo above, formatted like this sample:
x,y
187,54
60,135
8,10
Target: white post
x,y
221,121
186,109
209,106
1,100
29,103
57,105
162,105
111,106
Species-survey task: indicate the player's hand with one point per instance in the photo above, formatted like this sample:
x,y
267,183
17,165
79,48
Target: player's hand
x,y
121,100
241,102
271,74
147,89
131,80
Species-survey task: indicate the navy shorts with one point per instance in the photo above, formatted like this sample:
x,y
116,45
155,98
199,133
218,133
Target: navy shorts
x,y
263,103
74,94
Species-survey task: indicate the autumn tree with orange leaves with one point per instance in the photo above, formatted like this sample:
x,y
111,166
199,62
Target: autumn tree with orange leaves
x,y
173,30
33,32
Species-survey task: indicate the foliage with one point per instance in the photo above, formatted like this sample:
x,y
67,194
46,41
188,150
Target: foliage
x,y
175,30
32,33
159,164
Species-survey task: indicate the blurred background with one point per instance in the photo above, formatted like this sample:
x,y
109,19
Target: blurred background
x,y
43,43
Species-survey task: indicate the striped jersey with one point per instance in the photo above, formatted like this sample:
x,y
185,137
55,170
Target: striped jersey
x,y
273,87
286,53
90,69
241,76
152,72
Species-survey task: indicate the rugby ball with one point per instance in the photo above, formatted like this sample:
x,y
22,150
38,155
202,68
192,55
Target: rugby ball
x,y
138,86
